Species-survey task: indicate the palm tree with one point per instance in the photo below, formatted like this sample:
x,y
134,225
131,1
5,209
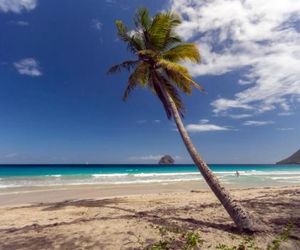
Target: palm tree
x,y
159,51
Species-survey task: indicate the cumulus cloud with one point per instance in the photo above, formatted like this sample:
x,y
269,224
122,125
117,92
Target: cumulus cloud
x,y
258,38
205,126
257,123
17,6
28,66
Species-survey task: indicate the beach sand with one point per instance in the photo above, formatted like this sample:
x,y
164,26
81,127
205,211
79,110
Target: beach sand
x,y
138,216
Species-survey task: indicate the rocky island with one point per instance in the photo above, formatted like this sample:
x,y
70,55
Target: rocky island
x,y
293,159
166,160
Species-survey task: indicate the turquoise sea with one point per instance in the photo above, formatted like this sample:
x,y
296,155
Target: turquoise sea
x,y
12,176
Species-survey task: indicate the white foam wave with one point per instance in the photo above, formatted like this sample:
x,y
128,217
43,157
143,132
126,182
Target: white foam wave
x,y
9,186
156,181
246,176
258,173
108,175
165,174
285,178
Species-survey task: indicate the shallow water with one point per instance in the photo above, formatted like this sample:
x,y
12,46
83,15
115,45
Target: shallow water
x,y
50,175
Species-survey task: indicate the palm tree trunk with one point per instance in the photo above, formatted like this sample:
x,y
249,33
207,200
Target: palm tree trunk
x,y
235,210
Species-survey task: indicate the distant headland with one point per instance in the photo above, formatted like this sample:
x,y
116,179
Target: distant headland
x,y
293,159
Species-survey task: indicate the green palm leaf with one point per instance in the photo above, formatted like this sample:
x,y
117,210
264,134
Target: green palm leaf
x,y
140,76
128,65
162,27
183,52
159,52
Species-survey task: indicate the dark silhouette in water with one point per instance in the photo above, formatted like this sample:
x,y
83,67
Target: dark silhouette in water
x,y
167,159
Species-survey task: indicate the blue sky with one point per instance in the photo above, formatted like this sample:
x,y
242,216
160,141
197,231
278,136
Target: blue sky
x,y
57,105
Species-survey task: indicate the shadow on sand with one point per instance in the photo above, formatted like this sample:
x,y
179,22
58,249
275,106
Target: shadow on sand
x,y
273,210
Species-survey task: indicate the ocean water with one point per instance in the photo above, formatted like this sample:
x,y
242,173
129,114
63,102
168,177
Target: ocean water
x,y
12,176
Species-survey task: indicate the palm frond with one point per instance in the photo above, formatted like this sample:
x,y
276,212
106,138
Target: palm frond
x,y
141,73
198,86
172,38
172,41
155,82
127,65
173,92
180,81
183,52
140,76
122,31
142,19
162,26
130,86
136,42
180,75
132,38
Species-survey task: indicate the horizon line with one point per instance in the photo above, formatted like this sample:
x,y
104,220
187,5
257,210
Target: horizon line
x,y
114,164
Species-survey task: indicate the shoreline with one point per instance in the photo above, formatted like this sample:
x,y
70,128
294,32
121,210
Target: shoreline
x,y
58,193
29,195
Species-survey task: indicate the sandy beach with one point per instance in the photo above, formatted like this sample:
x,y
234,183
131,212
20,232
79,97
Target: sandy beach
x,y
141,215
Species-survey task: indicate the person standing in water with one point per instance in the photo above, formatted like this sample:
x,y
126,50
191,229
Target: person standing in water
x,y
237,174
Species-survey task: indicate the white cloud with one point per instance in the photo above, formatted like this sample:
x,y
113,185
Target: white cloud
x,y
97,24
28,66
204,121
285,113
150,157
205,126
22,23
222,104
240,116
260,37
19,23
145,121
285,129
17,6
146,157
257,123
244,82
141,121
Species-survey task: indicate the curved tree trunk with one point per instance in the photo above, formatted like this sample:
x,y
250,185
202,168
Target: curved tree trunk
x,y
235,210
